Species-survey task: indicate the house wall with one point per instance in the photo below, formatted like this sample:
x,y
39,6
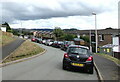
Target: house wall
x,y
107,40
3,29
115,40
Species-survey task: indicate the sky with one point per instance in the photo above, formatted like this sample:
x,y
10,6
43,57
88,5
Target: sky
x,y
65,14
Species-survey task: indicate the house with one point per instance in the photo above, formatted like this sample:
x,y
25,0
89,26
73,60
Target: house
x,y
44,34
116,48
3,28
104,35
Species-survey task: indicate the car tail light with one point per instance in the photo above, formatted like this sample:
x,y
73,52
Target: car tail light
x,y
66,45
66,55
89,59
33,39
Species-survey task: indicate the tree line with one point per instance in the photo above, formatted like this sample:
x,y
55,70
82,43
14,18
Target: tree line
x,y
62,35
58,33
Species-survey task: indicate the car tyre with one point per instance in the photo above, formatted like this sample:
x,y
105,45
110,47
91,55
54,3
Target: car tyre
x,y
64,67
91,70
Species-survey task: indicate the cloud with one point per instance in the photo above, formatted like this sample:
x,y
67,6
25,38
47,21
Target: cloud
x,y
119,15
44,9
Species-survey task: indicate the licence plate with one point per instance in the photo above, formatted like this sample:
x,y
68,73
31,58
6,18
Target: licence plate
x,y
76,64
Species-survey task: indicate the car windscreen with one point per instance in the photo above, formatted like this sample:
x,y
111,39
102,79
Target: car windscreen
x,y
75,50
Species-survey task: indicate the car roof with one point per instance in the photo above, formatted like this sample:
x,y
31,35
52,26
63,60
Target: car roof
x,y
79,46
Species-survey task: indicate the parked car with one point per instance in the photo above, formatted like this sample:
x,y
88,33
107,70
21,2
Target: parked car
x,y
78,57
39,40
33,39
44,41
60,43
66,44
49,42
55,44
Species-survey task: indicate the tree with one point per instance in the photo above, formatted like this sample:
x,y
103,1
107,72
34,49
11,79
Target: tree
x,y
68,37
73,29
58,32
15,32
8,29
85,38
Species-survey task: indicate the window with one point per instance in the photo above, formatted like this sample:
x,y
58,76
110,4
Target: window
x,y
92,37
101,37
77,50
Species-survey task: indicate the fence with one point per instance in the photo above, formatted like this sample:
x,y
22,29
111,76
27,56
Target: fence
x,y
109,51
106,50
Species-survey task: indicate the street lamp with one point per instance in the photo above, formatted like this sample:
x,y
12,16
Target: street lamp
x,y
90,41
95,30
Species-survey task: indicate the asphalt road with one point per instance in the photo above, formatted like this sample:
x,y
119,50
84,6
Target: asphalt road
x,y
9,48
45,67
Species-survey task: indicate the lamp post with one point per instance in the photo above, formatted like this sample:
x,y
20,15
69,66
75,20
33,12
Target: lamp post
x,y
90,42
95,30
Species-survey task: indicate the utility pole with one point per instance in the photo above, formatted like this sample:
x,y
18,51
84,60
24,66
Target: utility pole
x,y
96,30
90,42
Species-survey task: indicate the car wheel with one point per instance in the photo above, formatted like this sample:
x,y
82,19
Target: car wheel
x,y
65,67
90,70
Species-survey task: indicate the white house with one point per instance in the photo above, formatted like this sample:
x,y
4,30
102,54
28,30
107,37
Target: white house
x,y
3,29
116,43
116,48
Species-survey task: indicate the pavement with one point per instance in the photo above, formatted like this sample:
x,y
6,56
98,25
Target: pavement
x,y
107,68
9,48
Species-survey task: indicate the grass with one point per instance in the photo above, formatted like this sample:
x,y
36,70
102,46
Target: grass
x,y
117,61
27,49
5,38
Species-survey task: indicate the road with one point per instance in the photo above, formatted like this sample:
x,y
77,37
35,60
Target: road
x,y
9,48
45,67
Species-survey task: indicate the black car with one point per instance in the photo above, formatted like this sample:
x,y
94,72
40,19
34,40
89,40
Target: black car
x,y
78,57
38,40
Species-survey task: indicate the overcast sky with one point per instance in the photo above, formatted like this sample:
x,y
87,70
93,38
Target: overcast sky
x,y
60,13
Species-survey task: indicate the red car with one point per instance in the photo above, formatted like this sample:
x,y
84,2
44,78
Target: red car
x,y
33,39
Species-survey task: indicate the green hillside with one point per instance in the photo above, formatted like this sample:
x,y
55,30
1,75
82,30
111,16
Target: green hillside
x,y
5,38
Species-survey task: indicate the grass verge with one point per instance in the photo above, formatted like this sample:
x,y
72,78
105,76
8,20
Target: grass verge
x,y
5,38
117,61
27,49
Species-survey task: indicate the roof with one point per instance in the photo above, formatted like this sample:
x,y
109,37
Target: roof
x,y
79,46
109,46
100,31
2,25
78,39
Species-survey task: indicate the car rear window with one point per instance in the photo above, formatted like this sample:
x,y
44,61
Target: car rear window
x,y
78,50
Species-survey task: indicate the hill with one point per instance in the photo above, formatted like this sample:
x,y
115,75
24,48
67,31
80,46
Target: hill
x,y
5,38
